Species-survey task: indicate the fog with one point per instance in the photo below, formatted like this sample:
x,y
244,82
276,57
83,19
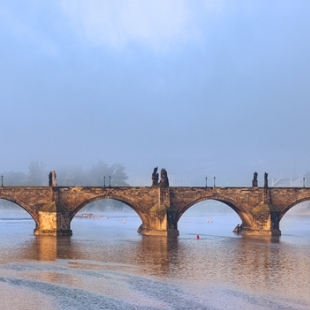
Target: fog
x,y
201,88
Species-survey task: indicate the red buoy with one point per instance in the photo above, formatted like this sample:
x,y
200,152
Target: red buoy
x,y
197,237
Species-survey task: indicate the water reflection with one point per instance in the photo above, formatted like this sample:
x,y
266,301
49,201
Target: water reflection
x,y
156,253
109,258
47,248
263,263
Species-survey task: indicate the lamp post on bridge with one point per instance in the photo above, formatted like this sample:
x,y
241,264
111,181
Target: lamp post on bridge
x,y
206,182
2,180
214,181
104,181
109,181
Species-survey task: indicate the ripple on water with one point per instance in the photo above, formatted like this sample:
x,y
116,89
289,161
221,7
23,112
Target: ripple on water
x,y
108,265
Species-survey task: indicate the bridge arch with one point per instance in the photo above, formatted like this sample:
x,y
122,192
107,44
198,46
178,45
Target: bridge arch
x,y
246,220
113,197
294,204
211,217
24,206
295,219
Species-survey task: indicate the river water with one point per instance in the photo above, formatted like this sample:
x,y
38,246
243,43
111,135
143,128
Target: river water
x,y
106,264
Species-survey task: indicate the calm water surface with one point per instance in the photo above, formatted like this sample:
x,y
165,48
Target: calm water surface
x,y
106,264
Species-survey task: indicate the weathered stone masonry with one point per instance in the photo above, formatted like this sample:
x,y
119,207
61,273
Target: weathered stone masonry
x,y
159,207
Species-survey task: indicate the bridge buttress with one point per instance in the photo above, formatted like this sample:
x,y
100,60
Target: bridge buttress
x,y
54,218
265,218
161,219
264,222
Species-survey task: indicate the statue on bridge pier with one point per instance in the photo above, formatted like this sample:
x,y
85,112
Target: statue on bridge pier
x,y
254,181
52,179
164,178
155,177
266,180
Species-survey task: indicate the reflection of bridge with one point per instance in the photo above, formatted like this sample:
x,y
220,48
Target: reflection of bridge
x,y
160,208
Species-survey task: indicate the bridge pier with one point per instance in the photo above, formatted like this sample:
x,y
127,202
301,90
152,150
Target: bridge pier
x,y
154,224
53,220
260,232
159,223
162,219
265,221
146,231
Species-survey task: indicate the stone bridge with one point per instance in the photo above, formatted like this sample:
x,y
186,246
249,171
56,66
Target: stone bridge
x,y
159,207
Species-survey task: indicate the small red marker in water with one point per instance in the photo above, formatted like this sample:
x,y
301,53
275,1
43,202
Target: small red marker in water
x,y
197,237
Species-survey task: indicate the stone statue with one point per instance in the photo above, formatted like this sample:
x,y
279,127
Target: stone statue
x,y
155,177
265,179
52,179
254,181
163,178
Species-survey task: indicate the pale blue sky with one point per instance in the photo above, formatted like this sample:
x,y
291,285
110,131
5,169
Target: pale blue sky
x,y
202,88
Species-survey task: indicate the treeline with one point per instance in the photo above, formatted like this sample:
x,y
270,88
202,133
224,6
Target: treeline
x,y
98,175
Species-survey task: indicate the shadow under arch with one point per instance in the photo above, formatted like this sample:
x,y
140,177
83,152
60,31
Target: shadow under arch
x,y
246,221
23,206
112,197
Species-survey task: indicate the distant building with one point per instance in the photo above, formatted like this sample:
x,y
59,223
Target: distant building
x,y
287,182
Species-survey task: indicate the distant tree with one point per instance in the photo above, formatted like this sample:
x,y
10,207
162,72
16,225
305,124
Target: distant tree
x,y
71,176
118,175
37,175
99,175
102,173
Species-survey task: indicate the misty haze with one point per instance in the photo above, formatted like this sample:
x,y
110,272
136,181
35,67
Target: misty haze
x,y
154,154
